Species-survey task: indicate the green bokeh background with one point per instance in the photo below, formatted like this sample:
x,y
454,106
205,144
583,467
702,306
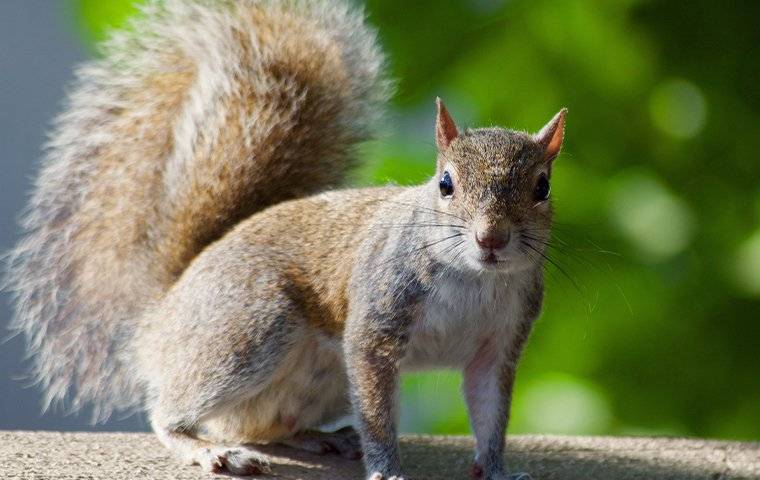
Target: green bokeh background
x,y
654,325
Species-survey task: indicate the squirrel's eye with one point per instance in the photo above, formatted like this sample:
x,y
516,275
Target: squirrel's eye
x,y
541,192
446,185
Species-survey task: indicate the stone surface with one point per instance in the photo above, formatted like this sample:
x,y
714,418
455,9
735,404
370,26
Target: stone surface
x,y
116,456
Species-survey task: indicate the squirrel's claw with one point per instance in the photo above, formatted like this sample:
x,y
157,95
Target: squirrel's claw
x,y
379,476
240,461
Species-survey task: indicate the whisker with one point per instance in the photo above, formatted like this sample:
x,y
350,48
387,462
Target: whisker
x,y
402,225
535,258
450,264
423,247
555,264
451,247
566,250
422,207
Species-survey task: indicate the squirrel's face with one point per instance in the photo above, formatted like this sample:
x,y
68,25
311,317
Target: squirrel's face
x,y
493,192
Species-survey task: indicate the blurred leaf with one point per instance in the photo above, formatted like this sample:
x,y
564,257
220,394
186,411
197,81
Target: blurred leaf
x,y
98,17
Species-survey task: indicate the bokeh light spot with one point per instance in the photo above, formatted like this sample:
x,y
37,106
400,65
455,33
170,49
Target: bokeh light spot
x,y
678,108
655,221
561,403
748,265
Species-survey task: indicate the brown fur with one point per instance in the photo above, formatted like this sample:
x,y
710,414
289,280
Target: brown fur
x,y
199,115
168,264
261,314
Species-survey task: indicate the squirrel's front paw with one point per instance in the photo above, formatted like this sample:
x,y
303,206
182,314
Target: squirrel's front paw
x,y
380,476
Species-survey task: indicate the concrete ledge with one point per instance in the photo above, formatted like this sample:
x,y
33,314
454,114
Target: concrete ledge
x,y
115,456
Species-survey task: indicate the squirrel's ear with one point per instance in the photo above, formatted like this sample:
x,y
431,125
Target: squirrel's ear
x,y
445,128
550,137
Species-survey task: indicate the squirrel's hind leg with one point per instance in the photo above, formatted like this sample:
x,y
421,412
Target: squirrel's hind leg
x,y
240,460
228,356
201,354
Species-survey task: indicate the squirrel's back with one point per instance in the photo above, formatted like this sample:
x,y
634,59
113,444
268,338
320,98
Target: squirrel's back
x,y
194,118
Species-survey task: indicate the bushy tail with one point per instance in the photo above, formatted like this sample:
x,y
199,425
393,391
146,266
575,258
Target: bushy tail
x,y
197,115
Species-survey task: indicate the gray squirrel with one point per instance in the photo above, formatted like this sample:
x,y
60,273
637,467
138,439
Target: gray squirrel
x,y
184,254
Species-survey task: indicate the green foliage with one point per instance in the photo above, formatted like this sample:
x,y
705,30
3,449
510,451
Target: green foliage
x,y
97,17
651,324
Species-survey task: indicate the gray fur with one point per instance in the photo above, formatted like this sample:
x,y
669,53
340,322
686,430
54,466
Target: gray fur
x,y
92,258
165,264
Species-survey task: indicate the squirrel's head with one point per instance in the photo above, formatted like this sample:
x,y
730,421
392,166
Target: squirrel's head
x,y
492,185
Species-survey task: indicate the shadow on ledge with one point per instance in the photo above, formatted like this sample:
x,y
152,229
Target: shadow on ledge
x,y
62,455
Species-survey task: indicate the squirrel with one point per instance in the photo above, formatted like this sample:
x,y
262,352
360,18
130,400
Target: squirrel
x,y
186,253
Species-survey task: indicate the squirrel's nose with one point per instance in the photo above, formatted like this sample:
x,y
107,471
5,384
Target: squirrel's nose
x,y
491,241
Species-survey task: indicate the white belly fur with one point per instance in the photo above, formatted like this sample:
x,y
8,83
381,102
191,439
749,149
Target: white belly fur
x,y
460,315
